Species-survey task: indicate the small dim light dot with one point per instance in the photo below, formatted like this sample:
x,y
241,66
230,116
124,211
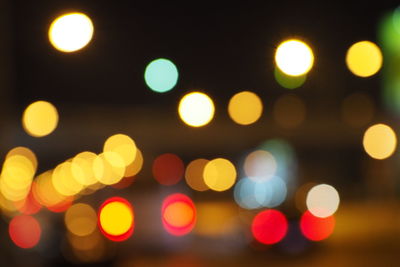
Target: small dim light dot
x,y
116,219
364,59
379,141
40,119
245,108
316,228
161,75
294,57
289,111
81,219
196,109
24,231
71,32
323,200
194,174
358,109
178,214
219,174
269,226
168,169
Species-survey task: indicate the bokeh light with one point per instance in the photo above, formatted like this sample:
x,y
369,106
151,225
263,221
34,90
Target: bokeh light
x,y
364,59
219,174
82,168
121,144
260,164
116,219
316,228
161,75
26,152
87,249
250,193
269,226
379,141
40,118
81,219
136,165
64,181
16,176
358,110
178,214
287,81
168,169
323,200
194,174
289,111
196,109
285,157
245,108
46,194
24,231
389,40
294,57
71,32
109,168
29,205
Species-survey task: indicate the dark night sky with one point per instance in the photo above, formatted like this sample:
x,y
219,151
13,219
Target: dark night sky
x,y
218,48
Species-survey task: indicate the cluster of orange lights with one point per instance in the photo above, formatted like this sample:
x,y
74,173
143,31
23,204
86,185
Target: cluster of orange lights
x,y
88,172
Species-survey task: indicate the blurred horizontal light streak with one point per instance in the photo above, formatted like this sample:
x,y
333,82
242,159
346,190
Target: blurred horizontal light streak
x,y
216,219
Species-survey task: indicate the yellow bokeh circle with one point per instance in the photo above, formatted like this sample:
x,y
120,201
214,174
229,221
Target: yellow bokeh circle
x,y
219,174
245,108
364,59
379,141
40,118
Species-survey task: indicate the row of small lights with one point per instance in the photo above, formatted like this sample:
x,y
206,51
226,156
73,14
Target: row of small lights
x,y
293,58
